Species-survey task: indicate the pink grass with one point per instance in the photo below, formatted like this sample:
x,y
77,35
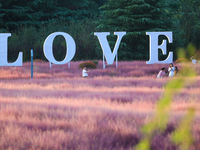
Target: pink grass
x,y
125,69
60,110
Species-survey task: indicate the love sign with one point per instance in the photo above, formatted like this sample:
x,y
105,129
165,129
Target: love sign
x,y
71,48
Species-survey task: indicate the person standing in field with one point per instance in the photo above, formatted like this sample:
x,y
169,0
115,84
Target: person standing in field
x,y
171,70
161,73
176,71
85,72
194,61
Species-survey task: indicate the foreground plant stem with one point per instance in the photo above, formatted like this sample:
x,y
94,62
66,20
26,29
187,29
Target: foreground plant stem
x,y
161,116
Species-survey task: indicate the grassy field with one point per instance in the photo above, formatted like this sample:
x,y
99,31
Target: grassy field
x,y
58,110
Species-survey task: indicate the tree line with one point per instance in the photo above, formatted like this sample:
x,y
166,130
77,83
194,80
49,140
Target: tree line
x,y
31,21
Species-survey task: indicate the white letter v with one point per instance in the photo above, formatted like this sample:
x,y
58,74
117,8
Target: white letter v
x,y
105,45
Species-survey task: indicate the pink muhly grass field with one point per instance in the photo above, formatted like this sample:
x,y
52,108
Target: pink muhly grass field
x,y
59,110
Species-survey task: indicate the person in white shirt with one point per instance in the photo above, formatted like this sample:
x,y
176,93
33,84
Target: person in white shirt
x,y
171,70
85,72
194,61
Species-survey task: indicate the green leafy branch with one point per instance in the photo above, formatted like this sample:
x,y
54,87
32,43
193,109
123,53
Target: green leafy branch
x,y
182,136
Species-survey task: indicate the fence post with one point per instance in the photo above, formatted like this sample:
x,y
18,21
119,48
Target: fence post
x,y
31,64
103,61
68,64
50,64
116,60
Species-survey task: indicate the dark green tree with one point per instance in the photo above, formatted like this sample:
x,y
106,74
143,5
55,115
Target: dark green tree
x,y
100,2
136,17
27,38
1,20
187,27
31,21
15,13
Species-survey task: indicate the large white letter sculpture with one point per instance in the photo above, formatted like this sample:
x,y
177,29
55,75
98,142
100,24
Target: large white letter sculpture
x,y
48,48
153,38
105,45
4,52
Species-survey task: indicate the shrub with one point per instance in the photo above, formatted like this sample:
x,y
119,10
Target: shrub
x,y
95,62
39,60
181,60
88,64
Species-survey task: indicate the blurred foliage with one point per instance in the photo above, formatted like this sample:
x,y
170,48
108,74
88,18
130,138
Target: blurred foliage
x,y
181,60
182,135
